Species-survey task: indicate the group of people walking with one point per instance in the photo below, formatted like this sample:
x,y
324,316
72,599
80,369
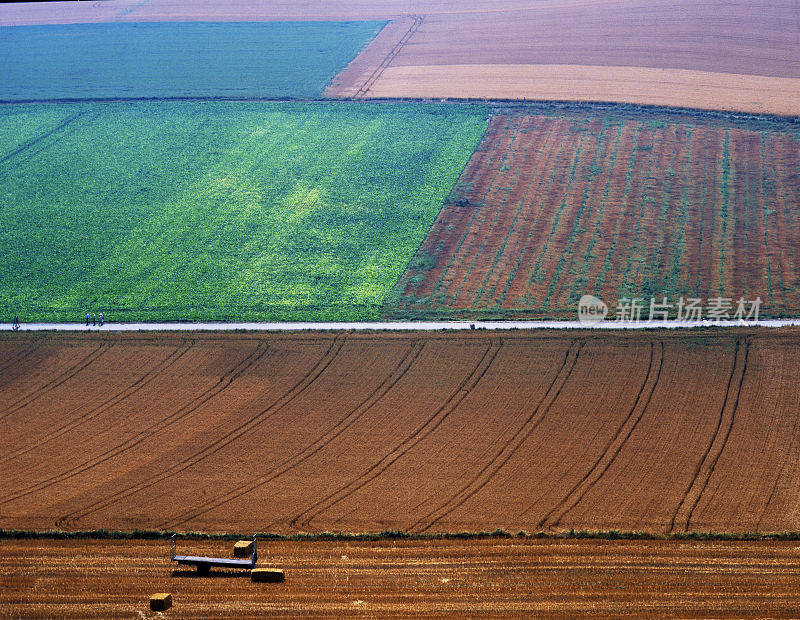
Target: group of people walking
x,y
95,319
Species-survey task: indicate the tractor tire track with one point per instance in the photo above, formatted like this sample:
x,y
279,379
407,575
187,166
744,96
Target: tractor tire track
x,y
33,142
682,516
19,357
774,490
416,22
58,133
299,387
614,446
463,390
207,395
51,385
90,415
498,461
378,394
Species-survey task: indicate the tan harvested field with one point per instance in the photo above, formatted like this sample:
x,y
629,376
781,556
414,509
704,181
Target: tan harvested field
x,y
562,578
716,54
423,432
556,205
645,86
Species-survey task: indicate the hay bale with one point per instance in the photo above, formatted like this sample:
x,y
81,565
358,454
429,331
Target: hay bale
x,y
243,549
267,575
160,602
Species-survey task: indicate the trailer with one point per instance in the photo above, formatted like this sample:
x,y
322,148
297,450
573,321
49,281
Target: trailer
x,y
204,563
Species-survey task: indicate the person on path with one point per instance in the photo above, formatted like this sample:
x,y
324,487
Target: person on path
x,y
100,318
16,322
87,319
94,319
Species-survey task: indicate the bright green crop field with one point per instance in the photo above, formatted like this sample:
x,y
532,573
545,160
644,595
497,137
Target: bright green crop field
x,y
220,210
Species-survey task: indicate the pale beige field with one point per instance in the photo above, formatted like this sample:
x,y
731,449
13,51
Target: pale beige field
x,y
661,87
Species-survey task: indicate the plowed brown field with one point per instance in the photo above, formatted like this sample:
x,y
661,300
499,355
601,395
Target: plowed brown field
x,y
417,431
585,578
552,207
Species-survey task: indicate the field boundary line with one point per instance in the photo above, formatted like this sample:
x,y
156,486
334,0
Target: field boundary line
x,y
407,326
498,461
458,395
388,535
466,257
705,468
500,103
209,393
122,395
309,378
613,447
478,208
415,24
301,537
388,383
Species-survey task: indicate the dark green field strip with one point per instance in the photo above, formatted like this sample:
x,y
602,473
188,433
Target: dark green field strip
x,y
226,211
169,59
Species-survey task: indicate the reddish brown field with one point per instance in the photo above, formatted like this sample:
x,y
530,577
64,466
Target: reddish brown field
x,y
585,578
422,432
552,207
715,54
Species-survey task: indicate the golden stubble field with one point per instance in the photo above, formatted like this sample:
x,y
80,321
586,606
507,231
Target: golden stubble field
x,y
553,578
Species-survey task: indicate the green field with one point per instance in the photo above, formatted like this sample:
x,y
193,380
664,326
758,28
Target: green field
x,y
194,59
220,210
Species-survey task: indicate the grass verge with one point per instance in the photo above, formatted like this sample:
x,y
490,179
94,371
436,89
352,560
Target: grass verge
x,y
399,535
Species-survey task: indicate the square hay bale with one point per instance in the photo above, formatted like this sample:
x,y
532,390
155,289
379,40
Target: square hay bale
x,y
267,575
243,549
160,602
